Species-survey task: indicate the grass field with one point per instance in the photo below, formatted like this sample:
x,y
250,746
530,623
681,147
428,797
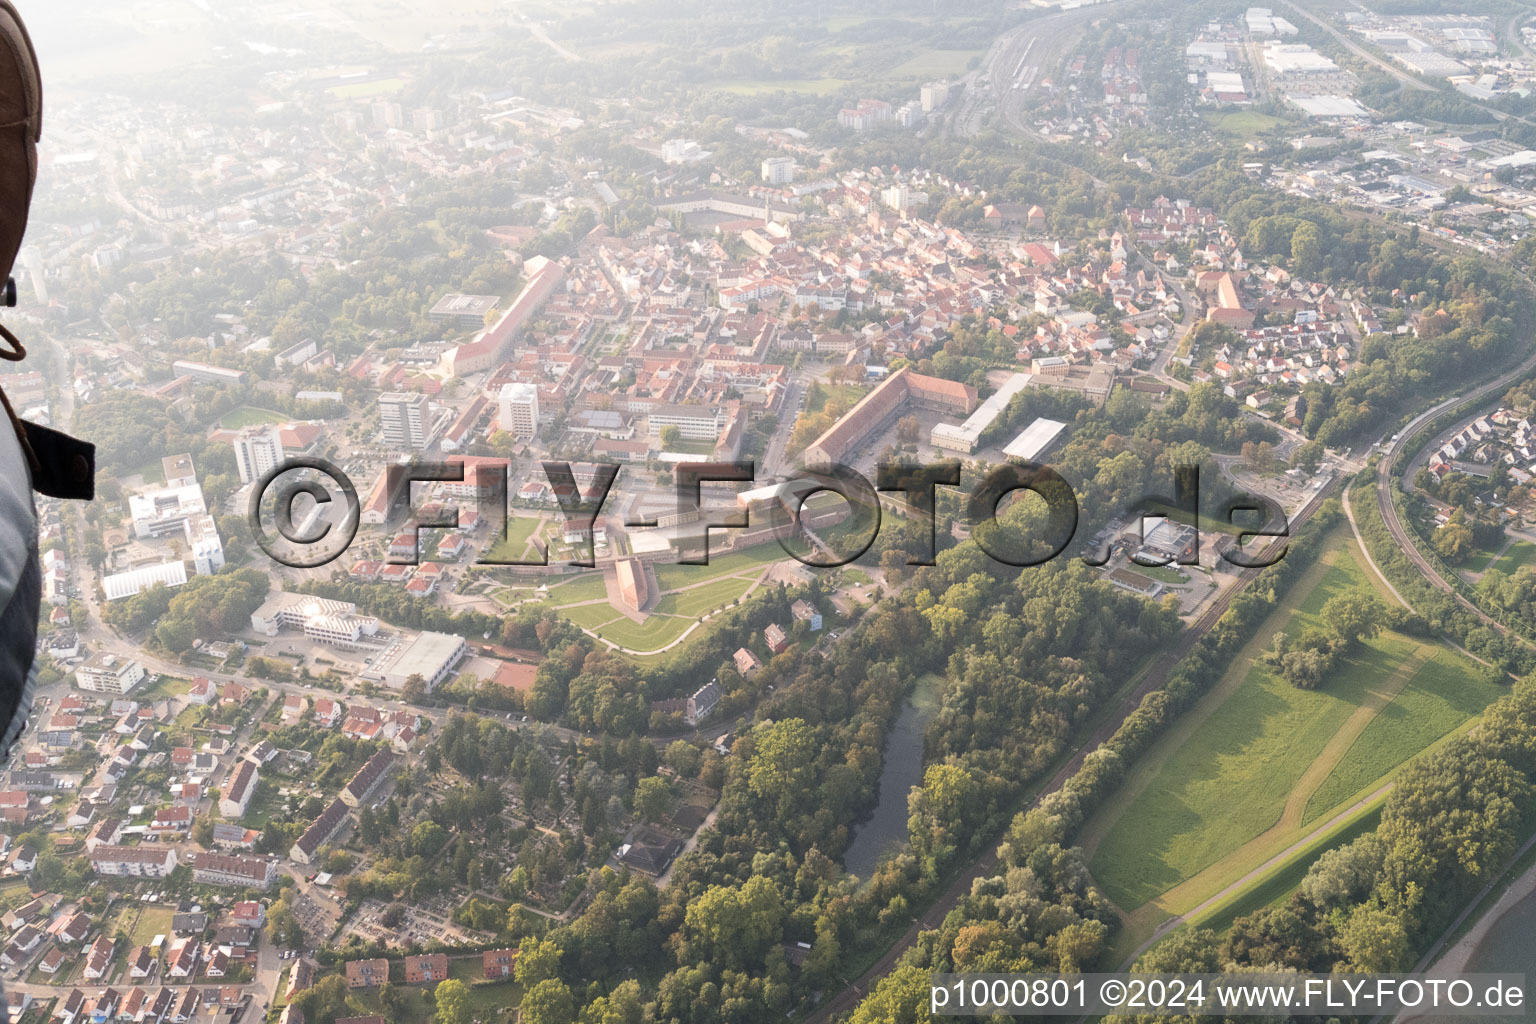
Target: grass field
x,y
673,577
847,395
1480,561
699,600
250,416
1257,752
1280,883
1518,555
1243,125
1440,697
591,616
588,586
656,631
512,547
936,64
152,921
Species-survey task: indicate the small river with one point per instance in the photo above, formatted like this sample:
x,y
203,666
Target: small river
x,y
886,831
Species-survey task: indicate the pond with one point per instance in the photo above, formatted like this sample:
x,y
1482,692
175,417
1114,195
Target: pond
x,y
886,830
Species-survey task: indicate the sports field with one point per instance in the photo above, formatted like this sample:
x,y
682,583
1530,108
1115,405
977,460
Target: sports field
x,y
1258,765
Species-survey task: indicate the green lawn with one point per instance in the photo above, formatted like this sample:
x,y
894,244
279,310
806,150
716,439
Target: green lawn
x,y
1441,696
591,616
250,416
491,998
672,577
1287,876
152,472
846,395
153,920
1519,554
417,1007
935,64
511,548
169,686
588,586
1163,574
1230,780
1242,125
1480,561
654,632
699,600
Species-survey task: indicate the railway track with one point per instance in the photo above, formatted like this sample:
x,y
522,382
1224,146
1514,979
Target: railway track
x,y
1401,535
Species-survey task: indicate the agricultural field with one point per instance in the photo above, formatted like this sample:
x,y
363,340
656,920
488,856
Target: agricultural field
x,y
1257,763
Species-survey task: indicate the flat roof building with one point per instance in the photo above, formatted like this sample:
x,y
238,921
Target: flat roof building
x,y
429,655
467,312
965,436
1035,439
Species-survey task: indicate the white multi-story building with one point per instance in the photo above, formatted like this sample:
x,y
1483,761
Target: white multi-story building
x,y
693,422
257,450
520,410
207,549
143,861
104,672
405,420
327,621
779,170
933,96
239,790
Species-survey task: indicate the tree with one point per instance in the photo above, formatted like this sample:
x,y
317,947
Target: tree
x,y
414,690
1373,938
671,437
1353,617
652,796
537,960
1308,456
392,915
1307,248
901,997
624,1005
684,758
453,1007
202,832
393,1002
783,759
909,430
548,1002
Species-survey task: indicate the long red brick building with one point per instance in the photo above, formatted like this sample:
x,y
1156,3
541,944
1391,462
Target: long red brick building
x,y
878,407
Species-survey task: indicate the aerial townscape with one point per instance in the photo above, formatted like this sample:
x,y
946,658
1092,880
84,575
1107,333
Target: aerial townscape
x,y
625,709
